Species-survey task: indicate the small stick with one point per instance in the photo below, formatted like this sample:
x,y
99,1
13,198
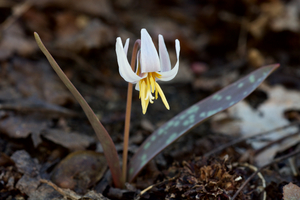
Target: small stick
x,y
267,165
229,144
154,185
67,193
18,11
128,114
275,142
263,181
242,41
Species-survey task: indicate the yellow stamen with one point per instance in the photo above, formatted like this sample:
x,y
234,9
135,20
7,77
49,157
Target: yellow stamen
x,y
147,86
161,93
143,95
157,74
147,103
152,81
140,86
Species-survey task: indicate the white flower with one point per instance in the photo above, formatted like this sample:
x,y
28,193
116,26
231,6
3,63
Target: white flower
x,y
150,67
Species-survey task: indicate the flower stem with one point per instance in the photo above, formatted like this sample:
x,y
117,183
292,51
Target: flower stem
x,y
128,115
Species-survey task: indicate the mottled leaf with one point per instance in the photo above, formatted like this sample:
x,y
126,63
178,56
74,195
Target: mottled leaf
x,y
108,146
189,118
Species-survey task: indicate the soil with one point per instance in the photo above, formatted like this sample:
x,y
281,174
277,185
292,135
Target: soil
x,y
45,135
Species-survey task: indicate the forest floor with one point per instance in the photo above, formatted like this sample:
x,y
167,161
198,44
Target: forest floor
x,y
41,123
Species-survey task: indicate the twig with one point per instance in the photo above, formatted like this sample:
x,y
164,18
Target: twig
x,y
18,10
64,192
222,147
242,41
293,166
152,186
275,142
267,165
253,168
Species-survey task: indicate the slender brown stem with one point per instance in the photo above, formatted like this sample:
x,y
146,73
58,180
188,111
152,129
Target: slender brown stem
x,y
128,115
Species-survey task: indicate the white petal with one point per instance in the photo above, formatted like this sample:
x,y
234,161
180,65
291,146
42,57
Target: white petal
x,y
137,87
149,56
165,63
138,64
169,75
126,46
124,67
138,57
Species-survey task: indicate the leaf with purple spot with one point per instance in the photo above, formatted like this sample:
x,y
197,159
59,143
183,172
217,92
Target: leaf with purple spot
x,y
191,117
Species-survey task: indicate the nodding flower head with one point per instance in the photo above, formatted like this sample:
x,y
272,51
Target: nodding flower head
x,y
150,67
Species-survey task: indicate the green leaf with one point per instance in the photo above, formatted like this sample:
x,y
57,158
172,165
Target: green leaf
x,y
191,117
108,146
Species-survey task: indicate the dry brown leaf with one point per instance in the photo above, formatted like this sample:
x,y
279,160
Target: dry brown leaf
x,y
291,192
45,192
255,58
43,83
269,12
72,141
79,170
247,121
13,40
98,35
20,127
29,167
69,194
288,19
101,8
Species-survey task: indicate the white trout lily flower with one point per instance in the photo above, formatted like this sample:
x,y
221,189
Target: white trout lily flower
x,y
151,67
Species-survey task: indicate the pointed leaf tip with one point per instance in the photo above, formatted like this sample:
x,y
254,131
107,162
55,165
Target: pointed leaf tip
x,y
109,149
189,118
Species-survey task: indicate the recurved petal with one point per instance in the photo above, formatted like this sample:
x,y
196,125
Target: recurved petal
x,y
124,67
165,63
138,65
169,75
126,46
149,56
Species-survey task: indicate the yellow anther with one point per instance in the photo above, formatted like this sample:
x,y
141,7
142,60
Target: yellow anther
x,y
152,81
147,86
140,86
143,95
161,93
